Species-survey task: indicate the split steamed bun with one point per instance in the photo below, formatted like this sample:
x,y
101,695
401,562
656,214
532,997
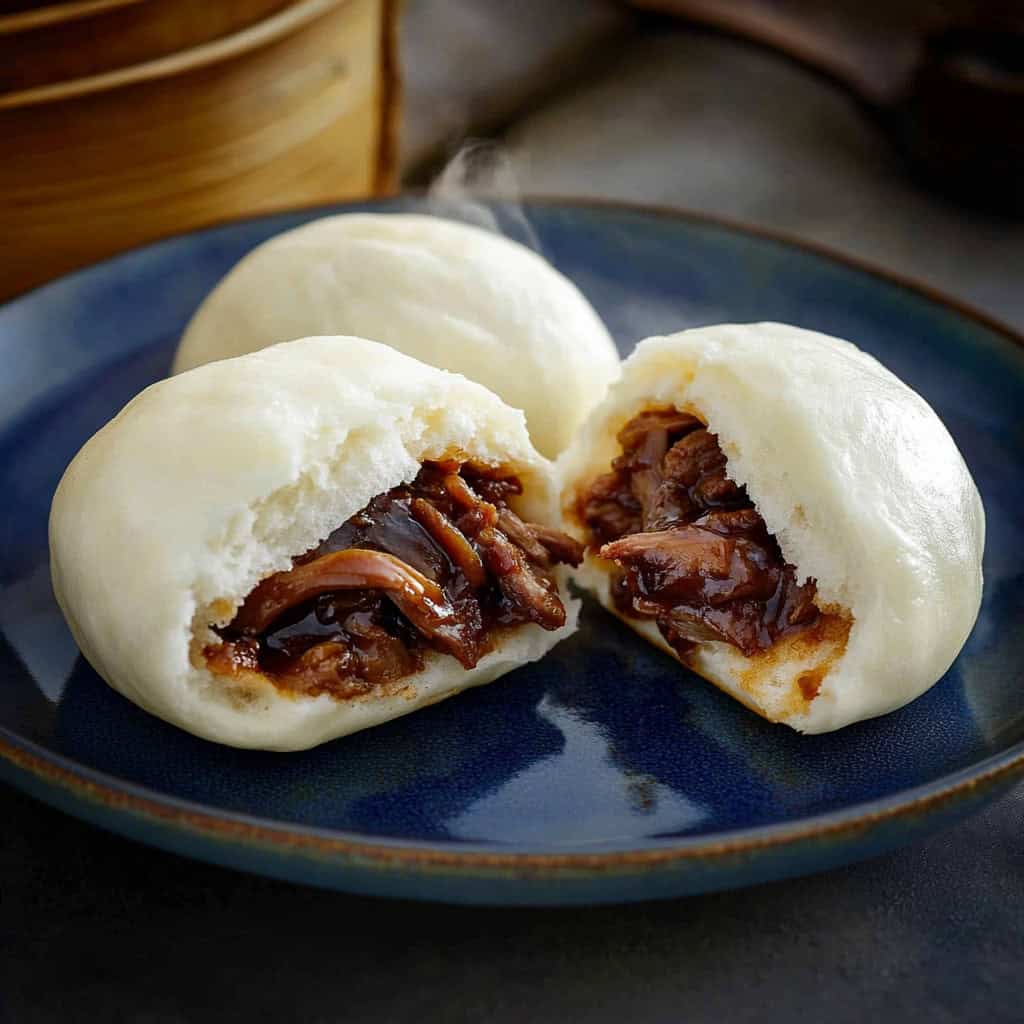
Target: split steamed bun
x,y
209,482
853,474
455,296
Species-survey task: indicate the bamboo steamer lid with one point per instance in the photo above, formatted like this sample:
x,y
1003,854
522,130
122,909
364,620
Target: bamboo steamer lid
x,y
298,108
61,41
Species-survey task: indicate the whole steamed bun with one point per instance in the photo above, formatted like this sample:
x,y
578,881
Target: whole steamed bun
x,y
449,294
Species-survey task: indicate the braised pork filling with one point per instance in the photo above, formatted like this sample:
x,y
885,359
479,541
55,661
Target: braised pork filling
x,y
441,564
691,550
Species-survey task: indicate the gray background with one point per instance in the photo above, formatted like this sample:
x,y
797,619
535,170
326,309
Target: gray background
x,y
590,101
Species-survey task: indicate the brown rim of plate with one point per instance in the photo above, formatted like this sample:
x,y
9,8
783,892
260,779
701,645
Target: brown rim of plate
x,y
129,798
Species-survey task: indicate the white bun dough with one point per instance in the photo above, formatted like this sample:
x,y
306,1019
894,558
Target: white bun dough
x,y
857,478
207,483
452,295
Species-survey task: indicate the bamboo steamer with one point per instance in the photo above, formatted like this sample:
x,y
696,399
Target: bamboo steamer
x,y
299,108
29,13
76,39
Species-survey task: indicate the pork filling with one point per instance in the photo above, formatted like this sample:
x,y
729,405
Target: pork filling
x,y
691,550
442,564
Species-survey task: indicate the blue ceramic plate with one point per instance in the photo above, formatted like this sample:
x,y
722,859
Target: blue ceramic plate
x,y
603,773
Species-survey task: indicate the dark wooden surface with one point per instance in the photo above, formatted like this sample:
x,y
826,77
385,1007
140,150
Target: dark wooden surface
x,y
99,929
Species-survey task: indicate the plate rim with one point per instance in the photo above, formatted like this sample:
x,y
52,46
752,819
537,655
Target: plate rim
x,y
86,784
120,795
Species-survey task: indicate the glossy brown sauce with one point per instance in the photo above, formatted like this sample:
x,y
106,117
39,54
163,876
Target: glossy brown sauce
x,y
441,564
692,551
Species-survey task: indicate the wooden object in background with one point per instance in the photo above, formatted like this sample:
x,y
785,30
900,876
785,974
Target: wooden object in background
x,y
72,40
299,108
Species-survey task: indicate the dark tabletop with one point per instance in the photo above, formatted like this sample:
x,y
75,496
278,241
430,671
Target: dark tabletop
x,y
95,928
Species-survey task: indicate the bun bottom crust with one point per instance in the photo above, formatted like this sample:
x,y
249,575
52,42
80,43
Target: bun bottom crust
x,y
779,684
315,721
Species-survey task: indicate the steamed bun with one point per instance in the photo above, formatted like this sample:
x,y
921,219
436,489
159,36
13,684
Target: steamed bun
x,y
876,579
454,296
